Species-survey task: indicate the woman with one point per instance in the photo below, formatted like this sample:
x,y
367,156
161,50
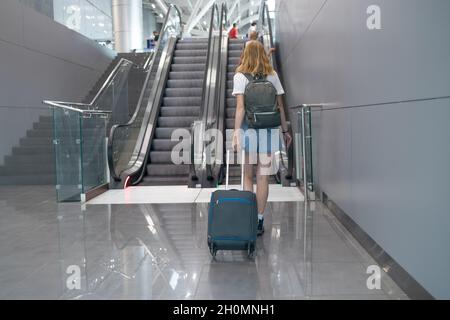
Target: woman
x,y
255,61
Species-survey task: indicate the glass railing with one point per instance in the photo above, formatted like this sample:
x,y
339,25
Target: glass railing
x,y
80,151
126,141
303,141
80,131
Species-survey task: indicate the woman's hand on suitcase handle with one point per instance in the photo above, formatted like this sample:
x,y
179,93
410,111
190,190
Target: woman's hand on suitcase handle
x,y
236,142
287,139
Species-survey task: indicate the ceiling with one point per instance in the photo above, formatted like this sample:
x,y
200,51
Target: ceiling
x,y
196,14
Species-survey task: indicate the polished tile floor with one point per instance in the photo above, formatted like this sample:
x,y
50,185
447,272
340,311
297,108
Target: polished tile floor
x,y
159,251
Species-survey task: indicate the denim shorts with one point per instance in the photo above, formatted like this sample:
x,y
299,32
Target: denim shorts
x,y
261,141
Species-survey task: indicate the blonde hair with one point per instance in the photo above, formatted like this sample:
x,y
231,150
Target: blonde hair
x,y
255,60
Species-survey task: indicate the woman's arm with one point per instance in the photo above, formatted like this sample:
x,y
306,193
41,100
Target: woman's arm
x,y
284,125
239,118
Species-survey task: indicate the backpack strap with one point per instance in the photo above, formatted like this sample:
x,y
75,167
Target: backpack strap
x,y
249,76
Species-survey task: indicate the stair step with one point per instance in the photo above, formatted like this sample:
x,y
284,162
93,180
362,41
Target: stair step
x,y
33,150
33,179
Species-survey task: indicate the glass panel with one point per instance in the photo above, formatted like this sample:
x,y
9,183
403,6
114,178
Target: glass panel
x,y
93,151
127,139
67,140
114,97
299,148
308,148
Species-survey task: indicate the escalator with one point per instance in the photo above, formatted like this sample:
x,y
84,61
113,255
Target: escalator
x,y
180,108
140,151
226,116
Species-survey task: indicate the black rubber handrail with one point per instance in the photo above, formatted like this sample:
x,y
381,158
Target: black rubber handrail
x,y
193,174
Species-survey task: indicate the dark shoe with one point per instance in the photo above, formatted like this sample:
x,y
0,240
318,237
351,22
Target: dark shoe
x,y
260,229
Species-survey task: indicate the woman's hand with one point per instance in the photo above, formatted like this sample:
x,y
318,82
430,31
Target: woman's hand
x,y
287,139
236,142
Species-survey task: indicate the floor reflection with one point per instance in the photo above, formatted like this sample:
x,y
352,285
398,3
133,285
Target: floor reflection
x,y
145,251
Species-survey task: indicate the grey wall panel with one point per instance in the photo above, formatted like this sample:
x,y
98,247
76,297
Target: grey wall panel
x,y
41,59
11,21
400,185
334,144
385,165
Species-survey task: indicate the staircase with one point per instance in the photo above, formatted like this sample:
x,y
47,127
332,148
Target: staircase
x,y
32,162
180,108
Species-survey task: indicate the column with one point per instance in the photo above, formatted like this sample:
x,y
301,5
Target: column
x,y
127,21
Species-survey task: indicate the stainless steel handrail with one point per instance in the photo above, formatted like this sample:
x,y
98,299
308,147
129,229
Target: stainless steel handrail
x,y
108,80
65,105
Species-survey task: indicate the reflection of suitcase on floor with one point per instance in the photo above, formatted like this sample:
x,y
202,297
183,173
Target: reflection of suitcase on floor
x,y
232,219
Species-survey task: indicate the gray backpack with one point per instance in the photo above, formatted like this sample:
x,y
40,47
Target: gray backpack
x,y
260,101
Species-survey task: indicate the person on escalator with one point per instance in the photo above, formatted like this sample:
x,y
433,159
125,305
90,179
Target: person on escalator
x,y
262,143
233,34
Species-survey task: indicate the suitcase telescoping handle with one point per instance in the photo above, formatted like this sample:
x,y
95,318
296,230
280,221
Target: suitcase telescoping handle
x,y
228,169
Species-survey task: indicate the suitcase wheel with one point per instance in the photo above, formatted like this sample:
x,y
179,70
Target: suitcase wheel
x,y
251,250
213,250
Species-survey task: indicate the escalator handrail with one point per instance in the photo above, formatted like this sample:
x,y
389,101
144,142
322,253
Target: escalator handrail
x,y
219,103
262,23
204,102
139,104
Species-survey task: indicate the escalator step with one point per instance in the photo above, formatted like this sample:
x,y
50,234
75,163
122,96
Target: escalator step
x,y
161,157
190,53
179,75
163,144
175,122
180,111
192,46
231,113
183,92
189,60
231,102
188,83
185,101
188,67
167,169
166,133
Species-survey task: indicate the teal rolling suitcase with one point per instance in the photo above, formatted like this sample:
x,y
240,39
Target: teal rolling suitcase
x,y
232,219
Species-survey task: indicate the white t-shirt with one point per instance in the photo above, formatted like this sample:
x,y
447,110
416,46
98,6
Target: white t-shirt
x,y
240,82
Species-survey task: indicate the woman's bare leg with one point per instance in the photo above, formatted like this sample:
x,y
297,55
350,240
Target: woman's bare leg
x,y
248,174
262,185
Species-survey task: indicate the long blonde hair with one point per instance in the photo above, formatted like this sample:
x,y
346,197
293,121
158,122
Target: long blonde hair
x,y
255,60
